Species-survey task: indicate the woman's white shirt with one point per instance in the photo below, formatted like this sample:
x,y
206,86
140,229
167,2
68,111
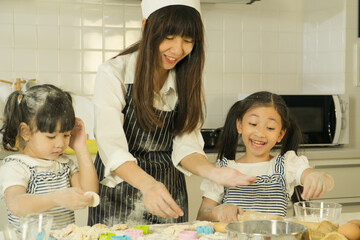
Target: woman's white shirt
x,y
112,80
294,167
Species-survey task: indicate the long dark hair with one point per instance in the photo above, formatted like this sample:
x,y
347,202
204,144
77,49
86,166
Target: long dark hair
x,y
230,136
171,20
41,108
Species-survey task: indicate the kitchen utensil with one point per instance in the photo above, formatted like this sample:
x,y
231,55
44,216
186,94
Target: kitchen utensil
x,y
266,230
36,227
314,211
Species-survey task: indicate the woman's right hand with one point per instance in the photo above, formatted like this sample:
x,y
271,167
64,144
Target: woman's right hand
x,y
158,200
72,199
229,177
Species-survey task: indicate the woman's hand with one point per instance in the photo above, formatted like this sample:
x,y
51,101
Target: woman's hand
x,y
229,177
226,212
78,136
316,184
158,200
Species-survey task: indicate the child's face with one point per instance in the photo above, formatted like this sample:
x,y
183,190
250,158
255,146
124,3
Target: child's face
x,y
46,145
173,49
261,130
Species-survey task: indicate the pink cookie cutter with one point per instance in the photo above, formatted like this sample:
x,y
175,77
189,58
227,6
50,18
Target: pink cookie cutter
x,y
187,235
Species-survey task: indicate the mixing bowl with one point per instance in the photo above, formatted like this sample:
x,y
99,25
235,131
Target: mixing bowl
x,y
266,230
312,211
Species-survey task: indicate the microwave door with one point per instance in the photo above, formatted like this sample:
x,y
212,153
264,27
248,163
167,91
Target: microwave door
x,y
338,117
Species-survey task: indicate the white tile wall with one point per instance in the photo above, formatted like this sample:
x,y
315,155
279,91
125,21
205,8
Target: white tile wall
x,y
285,46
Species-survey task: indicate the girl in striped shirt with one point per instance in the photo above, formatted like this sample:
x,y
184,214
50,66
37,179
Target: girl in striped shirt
x,y
40,123
261,120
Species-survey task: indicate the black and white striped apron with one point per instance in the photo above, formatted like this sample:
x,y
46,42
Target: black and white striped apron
x,y
152,149
267,195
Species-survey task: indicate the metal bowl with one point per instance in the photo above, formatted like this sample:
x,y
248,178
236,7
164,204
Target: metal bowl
x,y
266,230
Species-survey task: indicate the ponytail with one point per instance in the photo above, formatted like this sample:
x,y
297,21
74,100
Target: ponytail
x,y
13,118
229,137
292,137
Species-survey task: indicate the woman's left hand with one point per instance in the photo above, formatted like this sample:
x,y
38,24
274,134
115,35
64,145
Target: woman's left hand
x,y
78,135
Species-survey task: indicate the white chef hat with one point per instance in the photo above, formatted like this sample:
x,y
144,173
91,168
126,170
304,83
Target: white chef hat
x,y
150,6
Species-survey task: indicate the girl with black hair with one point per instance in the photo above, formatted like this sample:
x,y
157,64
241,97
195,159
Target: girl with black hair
x,y
41,124
261,120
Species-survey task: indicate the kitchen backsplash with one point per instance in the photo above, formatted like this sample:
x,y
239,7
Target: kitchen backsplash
x,y
285,46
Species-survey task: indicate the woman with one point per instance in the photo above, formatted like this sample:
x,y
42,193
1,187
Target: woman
x,y
148,107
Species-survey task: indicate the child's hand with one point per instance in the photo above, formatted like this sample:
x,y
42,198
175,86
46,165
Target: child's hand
x,y
78,135
229,177
316,184
226,212
72,198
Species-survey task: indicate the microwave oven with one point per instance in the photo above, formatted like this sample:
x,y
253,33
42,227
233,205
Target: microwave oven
x,y
323,119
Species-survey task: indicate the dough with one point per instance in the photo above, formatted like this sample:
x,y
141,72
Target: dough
x,y
95,197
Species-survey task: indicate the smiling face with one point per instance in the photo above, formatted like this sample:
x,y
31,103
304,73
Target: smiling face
x,y
44,145
260,129
173,49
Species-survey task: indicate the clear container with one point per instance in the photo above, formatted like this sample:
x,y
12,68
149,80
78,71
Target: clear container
x,y
313,211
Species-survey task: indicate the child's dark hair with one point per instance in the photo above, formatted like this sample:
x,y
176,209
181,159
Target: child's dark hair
x,y
230,136
41,108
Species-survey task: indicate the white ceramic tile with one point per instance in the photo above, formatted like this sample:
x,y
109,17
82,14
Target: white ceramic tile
x,y
113,38
288,42
232,83
25,12
232,23
6,12
269,41
133,16
287,63
270,63
251,22
214,62
213,19
213,83
289,84
45,77
92,38
228,101
288,22
92,15
48,37
232,40
270,82
88,83
251,62
25,36
251,83
214,104
6,59
48,60
269,21
70,14
6,33
91,60
113,16
48,13
70,38
132,36
70,82
233,62
214,40
213,121
92,1
251,41
70,61
25,60
337,40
